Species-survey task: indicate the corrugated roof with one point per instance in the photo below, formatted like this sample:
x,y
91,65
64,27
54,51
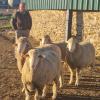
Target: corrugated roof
x,y
63,4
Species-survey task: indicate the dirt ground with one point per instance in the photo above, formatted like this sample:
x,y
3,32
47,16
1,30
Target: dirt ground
x,y
10,79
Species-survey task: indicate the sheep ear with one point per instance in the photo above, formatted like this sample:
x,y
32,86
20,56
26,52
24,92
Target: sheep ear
x,y
41,56
26,55
66,42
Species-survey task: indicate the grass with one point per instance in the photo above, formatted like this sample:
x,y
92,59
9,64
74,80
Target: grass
x,y
7,26
6,18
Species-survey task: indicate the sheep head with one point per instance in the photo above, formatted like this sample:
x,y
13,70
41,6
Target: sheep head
x,y
45,40
71,44
34,56
22,46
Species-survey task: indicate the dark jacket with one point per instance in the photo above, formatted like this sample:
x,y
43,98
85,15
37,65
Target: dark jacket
x,y
22,21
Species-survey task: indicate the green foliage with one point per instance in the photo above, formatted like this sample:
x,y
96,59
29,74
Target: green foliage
x,y
5,17
7,26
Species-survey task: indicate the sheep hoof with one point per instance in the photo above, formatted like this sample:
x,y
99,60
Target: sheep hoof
x,y
76,84
61,86
27,98
43,96
23,89
53,97
37,98
70,83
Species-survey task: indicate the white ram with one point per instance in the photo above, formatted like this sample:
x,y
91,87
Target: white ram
x,y
42,67
79,55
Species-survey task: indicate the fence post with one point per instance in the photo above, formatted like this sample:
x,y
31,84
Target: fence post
x,y
69,14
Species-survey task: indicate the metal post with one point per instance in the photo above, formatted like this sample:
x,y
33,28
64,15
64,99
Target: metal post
x,y
69,14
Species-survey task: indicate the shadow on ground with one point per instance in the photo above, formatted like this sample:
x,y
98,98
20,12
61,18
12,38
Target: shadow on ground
x,y
72,97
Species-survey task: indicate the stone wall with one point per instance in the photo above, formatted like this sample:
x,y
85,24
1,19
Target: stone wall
x,y
54,23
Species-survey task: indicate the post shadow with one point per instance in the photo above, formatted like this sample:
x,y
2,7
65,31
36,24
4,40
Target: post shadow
x,y
79,25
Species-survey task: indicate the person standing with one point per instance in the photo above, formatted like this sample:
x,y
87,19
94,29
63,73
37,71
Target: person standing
x,y
21,22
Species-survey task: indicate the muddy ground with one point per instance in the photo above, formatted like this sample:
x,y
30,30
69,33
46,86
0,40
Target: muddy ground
x,y
10,81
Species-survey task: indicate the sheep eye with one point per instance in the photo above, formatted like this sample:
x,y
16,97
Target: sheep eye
x,y
40,56
16,44
40,39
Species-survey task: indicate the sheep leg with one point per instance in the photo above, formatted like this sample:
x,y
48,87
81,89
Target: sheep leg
x,y
27,96
44,91
54,89
36,96
19,64
60,80
24,87
77,77
71,75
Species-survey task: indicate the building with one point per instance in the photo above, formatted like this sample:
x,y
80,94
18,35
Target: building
x,y
3,3
9,3
63,4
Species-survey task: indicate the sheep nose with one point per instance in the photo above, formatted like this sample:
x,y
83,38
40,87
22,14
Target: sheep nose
x,y
21,54
90,68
